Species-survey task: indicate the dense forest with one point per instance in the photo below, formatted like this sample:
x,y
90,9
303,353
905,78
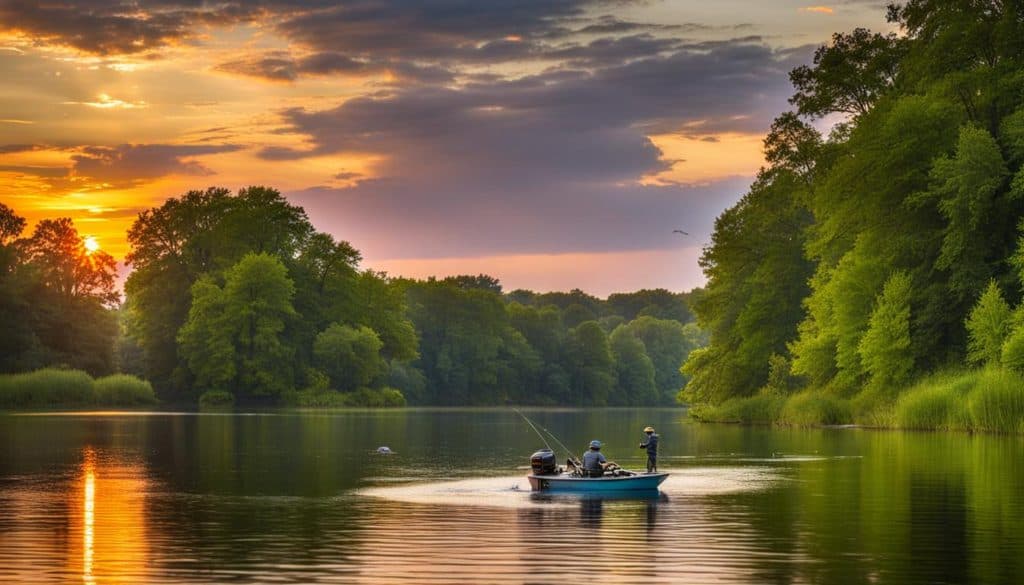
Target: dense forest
x,y
238,297
865,272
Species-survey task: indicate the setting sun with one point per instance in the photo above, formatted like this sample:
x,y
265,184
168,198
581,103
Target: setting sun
x,y
91,245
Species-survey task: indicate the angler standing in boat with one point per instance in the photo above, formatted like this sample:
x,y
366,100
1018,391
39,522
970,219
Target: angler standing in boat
x,y
594,462
651,444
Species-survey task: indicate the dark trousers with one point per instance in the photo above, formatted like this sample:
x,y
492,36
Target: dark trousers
x,y
652,463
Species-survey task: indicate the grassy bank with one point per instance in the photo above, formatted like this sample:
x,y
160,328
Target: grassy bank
x,y
52,387
983,400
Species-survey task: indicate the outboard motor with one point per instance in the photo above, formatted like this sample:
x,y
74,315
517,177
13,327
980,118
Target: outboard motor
x,y
543,462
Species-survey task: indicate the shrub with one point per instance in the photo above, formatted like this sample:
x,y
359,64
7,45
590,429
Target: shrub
x,y
997,402
763,408
314,398
47,387
365,397
392,397
216,399
815,408
123,389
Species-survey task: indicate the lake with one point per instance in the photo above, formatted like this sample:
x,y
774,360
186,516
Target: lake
x,y
296,497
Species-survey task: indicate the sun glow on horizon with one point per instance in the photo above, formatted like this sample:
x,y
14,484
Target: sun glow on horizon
x,y
91,244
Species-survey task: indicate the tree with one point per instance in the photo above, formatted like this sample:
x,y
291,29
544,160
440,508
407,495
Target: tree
x,y
233,334
258,294
350,356
988,326
885,348
966,188
66,267
634,371
849,75
667,347
206,339
11,225
592,365
58,296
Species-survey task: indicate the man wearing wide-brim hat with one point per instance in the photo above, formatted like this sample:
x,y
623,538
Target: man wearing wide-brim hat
x,y
651,444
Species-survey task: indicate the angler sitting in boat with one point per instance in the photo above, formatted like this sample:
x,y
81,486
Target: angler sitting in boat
x,y
594,462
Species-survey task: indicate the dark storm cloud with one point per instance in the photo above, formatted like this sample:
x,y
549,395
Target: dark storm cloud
x,y
555,118
612,51
427,30
134,163
437,29
275,66
544,162
281,66
119,166
117,26
15,148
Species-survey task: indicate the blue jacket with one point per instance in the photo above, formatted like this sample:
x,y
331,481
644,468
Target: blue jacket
x,y
651,445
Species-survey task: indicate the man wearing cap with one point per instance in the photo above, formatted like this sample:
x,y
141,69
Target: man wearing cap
x,y
651,444
594,463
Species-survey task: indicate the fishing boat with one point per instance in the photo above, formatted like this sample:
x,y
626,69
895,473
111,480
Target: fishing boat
x,y
546,475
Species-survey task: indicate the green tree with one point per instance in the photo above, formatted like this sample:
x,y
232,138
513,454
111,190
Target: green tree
x,y
988,325
849,75
634,371
350,356
206,340
885,347
233,335
667,346
592,365
967,189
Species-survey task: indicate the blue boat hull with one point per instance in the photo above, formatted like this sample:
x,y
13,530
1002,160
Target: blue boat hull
x,y
587,485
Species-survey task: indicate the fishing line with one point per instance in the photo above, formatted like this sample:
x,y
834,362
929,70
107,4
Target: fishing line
x,y
529,422
552,435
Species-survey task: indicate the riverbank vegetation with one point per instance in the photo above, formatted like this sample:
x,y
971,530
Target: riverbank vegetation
x,y
236,298
53,387
866,272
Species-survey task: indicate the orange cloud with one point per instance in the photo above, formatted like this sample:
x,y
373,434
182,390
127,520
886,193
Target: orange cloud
x,y
818,9
703,158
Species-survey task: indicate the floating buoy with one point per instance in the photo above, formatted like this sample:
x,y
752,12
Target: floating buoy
x,y
384,451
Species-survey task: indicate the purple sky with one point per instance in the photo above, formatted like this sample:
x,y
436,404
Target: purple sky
x,y
551,143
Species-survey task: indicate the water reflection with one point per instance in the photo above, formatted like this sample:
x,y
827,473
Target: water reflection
x,y
110,524
300,498
88,514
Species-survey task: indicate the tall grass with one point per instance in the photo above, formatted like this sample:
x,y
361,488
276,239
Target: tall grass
x,y
983,400
997,402
816,408
52,387
123,390
363,397
759,409
48,387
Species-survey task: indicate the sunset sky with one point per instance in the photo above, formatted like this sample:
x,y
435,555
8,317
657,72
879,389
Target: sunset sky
x,y
551,143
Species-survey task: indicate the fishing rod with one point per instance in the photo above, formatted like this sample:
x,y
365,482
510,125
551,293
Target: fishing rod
x,y
552,435
532,426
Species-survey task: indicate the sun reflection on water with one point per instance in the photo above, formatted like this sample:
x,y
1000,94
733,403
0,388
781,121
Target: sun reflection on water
x,y
109,495
88,515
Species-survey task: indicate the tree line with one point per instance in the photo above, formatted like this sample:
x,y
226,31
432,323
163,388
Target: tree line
x,y
237,296
854,265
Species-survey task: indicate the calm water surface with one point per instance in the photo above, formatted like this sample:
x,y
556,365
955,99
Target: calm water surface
x,y
302,497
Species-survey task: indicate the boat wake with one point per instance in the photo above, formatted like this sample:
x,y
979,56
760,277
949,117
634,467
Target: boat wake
x,y
514,491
